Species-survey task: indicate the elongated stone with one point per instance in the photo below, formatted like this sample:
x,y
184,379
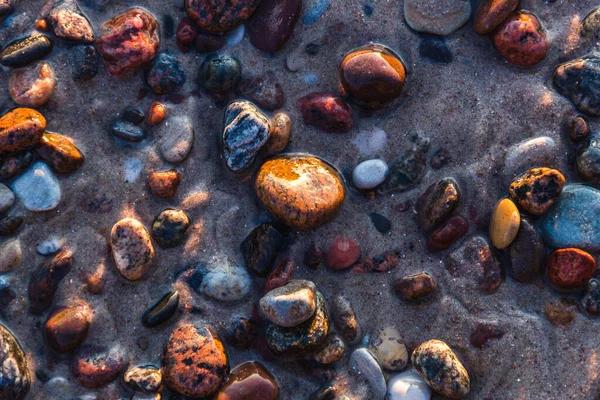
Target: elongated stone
x,y
504,223
45,279
24,51
132,248
162,310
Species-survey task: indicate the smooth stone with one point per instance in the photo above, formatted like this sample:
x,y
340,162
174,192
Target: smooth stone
x,y
280,134
527,253
381,223
538,152
10,255
327,112
370,174
143,379
441,369
14,164
50,246
220,15
157,113
570,268
195,361
246,132
344,319
288,186
491,13
162,310
579,129
69,23
164,184
169,227
415,287
220,73
521,39
291,304
575,80
20,128
263,90
408,386
388,348
590,298
273,23
38,188
15,380
227,284
574,220
7,198
176,139
45,279
589,30
166,74
32,86
127,131
342,253
447,234
134,114
504,223
364,364
588,159
332,350
437,203
249,381
24,51
67,328
260,248
537,189
408,169
438,18
60,153
132,168
132,249
85,63
94,366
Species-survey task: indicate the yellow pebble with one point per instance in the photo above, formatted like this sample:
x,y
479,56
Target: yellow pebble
x,y
504,224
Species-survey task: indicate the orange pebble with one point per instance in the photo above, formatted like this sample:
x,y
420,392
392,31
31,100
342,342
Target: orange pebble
x,y
157,113
41,25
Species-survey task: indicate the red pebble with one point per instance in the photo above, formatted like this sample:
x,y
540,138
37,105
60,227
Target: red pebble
x,y
447,234
280,275
570,268
342,254
186,34
326,112
483,333
521,39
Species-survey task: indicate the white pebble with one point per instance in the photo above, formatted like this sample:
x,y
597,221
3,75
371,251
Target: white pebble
x,y
408,386
48,246
133,169
38,188
226,284
370,174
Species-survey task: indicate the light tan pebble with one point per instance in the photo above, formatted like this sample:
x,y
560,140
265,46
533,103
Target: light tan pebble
x,y
33,86
143,379
176,139
10,255
132,248
504,224
389,349
279,136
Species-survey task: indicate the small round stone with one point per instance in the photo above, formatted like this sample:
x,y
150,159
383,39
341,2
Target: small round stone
x,y
166,75
504,223
342,253
327,112
579,128
38,188
164,184
162,310
521,39
169,227
372,75
227,284
132,248
176,139
370,174
492,13
7,198
94,367
280,133
537,189
67,328
436,17
156,113
247,381
588,159
10,255
143,379
220,15
33,86
15,380
415,287
219,73
408,386
291,304
332,351
570,268
388,348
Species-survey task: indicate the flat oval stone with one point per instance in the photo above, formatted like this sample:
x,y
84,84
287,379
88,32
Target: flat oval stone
x,y
373,75
415,287
521,39
301,190
526,253
331,351
272,24
291,304
573,80
437,203
408,386
326,112
60,153
11,255
579,128
169,227
162,310
143,379
570,268
67,328
280,134
14,371
25,51
370,174
176,139
389,349
19,129
38,188
436,17
537,189
127,131
226,284
364,364
492,13
504,223
195,362
441,369
249,381
94,367
33,86
342,253
69,23
45,279
220,15
588,159
132,249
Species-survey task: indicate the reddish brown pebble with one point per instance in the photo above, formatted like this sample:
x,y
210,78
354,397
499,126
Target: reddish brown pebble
x,y
220,15
280,133
19,129
94,367
415,287
156,113
186,34
60,153
45,279
250,381
326,112
342,253
280,275
570,268
561,312
273,23
521,39
485,332
313,256
164,184
579,128
66,328
492,13
128,41
447,234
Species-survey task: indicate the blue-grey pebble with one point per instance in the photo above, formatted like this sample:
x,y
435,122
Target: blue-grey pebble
x,y
364,364
38,188
370,174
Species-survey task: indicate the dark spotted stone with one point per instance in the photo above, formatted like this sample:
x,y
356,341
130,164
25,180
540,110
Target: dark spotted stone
x,y
162,310
260,248
85,62
273,23
24,51
166,75
280,275
313,256
15,380
242,333
537,189
437,203
219,73
15,164
576,81
579,128
59,153
169,227
94,366
20,129
45,279
344,319
220,15
186,34
146,379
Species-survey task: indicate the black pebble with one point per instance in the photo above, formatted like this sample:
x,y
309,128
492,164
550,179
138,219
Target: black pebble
x,y
24,51
368,9
312,49
434,48
134,115
162,310
127,131
382,224
84,62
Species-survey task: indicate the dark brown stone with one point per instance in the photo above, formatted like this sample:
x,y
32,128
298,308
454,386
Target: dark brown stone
x,y
60,153
45,279
344,319
13,165
485,332
280,275
264,91
492,13
415,287
579,128
326,112
242,334
66,328
94,366
526,253
437,203
313,256
447,234
273,23
220,15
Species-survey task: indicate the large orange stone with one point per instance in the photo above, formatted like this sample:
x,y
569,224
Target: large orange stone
x,y
19,129
301,190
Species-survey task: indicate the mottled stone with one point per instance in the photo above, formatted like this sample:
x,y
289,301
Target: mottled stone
x,y
220,15
326,112
342,253
132,249
561,312
176,139
242,334
166,74
246,132
38,189
589,29
95,367
226,284
273,23
521,39
186,34
370,174
128,40
32,86
441,369
280,275
388,348
220,73
249,381
344,319
195,362
590,299
365,365
128,131
10,255
439,18
67,328
576,81
45,279
288,186
85,62
15,380
408,386
161,311
143,379
260,248
526,253
7,198
264,90
164,184
485,332
570,268
579,128
280,134
415,287
332,350
59,153
169,227
407,169
504,223
447,234
15,164
491,13
437,203
537,189
588,159
68,22
24,51
291,304
20,128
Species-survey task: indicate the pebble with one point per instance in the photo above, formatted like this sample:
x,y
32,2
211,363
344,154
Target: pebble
x,y
303,338
313,256
280,134
10,255
220,16
166,74
242,334
526,253
135,115
447,234
573,80
438,18
38,189
332,351
590,299
504,223
288,184
537,189
127,131
69,23
227,284
264,90
46,247
250,380
24,51
146,378
408,386
260,248
491,13
538,152
128,40
407,169
9,224
370,174
14,164
164,184
7,198
344,319
372,75
15,380
521,39
85,63
272,24
32,86
435,49
579,128
45,279
326,112
381,223
195,362
561,312
388,348
485,332
588,30
441,369
440,158
132,249
291,304
186,34
20,128
280,275
94,366
570,268
169,227
574,221
364,364
415,287
219,73
437,203
60,153
342,253
176,139
588,159
246,132
156,113
161,311
67,328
